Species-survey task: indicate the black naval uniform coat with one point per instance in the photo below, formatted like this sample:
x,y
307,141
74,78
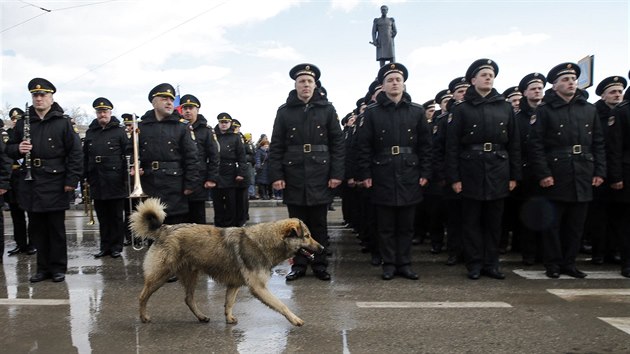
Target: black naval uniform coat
x,y
300,127
479,122
104,152
394,145
208,151
57,161
5,173
169,159
618,153
561,127
232,158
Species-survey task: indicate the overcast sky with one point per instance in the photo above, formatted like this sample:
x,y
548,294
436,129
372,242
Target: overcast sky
x,y
235,55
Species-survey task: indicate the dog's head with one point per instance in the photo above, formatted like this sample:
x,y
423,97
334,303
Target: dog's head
x,y
298,239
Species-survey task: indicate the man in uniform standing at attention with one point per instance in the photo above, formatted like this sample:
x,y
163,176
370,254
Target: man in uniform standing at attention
x,y
383,33
394,160
56,166
232,171
106,174
208,151
168,155
567,154
483,164
306,160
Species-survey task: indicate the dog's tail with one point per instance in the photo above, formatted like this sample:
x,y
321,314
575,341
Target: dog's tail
x,y
148,218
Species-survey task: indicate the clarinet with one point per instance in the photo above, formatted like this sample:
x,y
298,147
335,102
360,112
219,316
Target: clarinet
x,y
27,137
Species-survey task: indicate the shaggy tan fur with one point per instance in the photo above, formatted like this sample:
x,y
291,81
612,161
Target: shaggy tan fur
x,y
235,256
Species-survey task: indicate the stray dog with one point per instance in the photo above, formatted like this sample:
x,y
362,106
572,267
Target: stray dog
x,y
234,256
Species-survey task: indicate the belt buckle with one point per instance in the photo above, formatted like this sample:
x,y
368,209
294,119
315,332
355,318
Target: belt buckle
x,y
155,165
395,150
576,149
97,159
487,147
307,148
37,162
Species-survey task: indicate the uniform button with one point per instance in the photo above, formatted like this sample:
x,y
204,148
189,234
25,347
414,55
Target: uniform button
x,y
561,125
171,149
411,138
175,172
49,139
408,130
503,131
555,159
589,132
52,146
321,134
474,125
318,127
293,129
586,125
290,136
383,131
55,171
109,142
471,133
169,143
501,123
559,133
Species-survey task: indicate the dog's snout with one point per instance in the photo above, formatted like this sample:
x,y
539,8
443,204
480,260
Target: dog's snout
x,y
320,248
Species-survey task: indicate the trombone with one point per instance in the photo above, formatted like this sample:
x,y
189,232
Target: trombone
x,y
137,191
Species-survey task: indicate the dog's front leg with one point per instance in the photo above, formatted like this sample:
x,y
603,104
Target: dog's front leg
x,y
230,299
263,294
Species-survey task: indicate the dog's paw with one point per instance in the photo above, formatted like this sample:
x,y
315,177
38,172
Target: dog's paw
x,y
145,319
231,320
204,319
297,321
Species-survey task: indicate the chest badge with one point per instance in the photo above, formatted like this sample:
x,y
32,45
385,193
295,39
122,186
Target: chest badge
x,y
611,121
532,119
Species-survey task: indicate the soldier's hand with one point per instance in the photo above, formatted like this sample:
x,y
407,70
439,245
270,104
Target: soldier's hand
x,y
367,183
617,186
546,182
333,183
133,171
25,147
351,182
279,185
209,184
597,181
457,187
188,191
423,181
2,191
512,185
239,178
68,189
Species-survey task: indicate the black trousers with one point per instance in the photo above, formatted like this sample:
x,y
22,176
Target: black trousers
x,y
481,232
315,217
129,206
242,206
561,241
395,231
533,215
454,227
48,232
197,211
111,223
436,207
18,215
623,233
224,204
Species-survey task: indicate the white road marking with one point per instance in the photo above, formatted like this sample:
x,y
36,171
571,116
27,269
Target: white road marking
x,y
589,292
622,323
540,274
36,302
432,305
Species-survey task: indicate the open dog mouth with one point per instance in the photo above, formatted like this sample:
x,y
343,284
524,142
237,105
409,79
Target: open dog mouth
x,y
306,253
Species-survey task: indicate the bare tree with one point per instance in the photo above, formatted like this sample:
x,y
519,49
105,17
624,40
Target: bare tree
x,y
79,115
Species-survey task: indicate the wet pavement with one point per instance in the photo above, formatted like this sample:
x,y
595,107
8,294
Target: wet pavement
x,y
96,308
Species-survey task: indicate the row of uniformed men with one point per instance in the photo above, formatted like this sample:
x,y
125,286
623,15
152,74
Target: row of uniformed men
x,y
180,158
545,150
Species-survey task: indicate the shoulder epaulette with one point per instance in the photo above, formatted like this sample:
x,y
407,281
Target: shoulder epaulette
x,y
184,121
372,105
623,103
416,105
282,106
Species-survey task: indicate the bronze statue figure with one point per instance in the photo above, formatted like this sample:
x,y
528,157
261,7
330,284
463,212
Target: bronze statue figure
x,y
383,33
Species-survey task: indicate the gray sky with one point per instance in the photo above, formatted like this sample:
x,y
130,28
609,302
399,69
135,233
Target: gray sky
x,y
235,55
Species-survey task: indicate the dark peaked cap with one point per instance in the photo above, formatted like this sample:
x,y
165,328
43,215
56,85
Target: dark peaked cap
x,y
390,69
190,100
608,82
162,90
479,65
563,69
102,103
305,69
39,85
530,79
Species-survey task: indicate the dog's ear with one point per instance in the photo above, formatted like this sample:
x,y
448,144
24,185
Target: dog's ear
x,y
296,230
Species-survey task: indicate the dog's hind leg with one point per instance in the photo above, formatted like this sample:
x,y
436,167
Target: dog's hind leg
x,y
152,282
189,280
263,294
230,299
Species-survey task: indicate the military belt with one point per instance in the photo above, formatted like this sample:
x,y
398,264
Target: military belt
x,y
485,147
159,165
107,158
37,162
395,150
306,148
573,150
